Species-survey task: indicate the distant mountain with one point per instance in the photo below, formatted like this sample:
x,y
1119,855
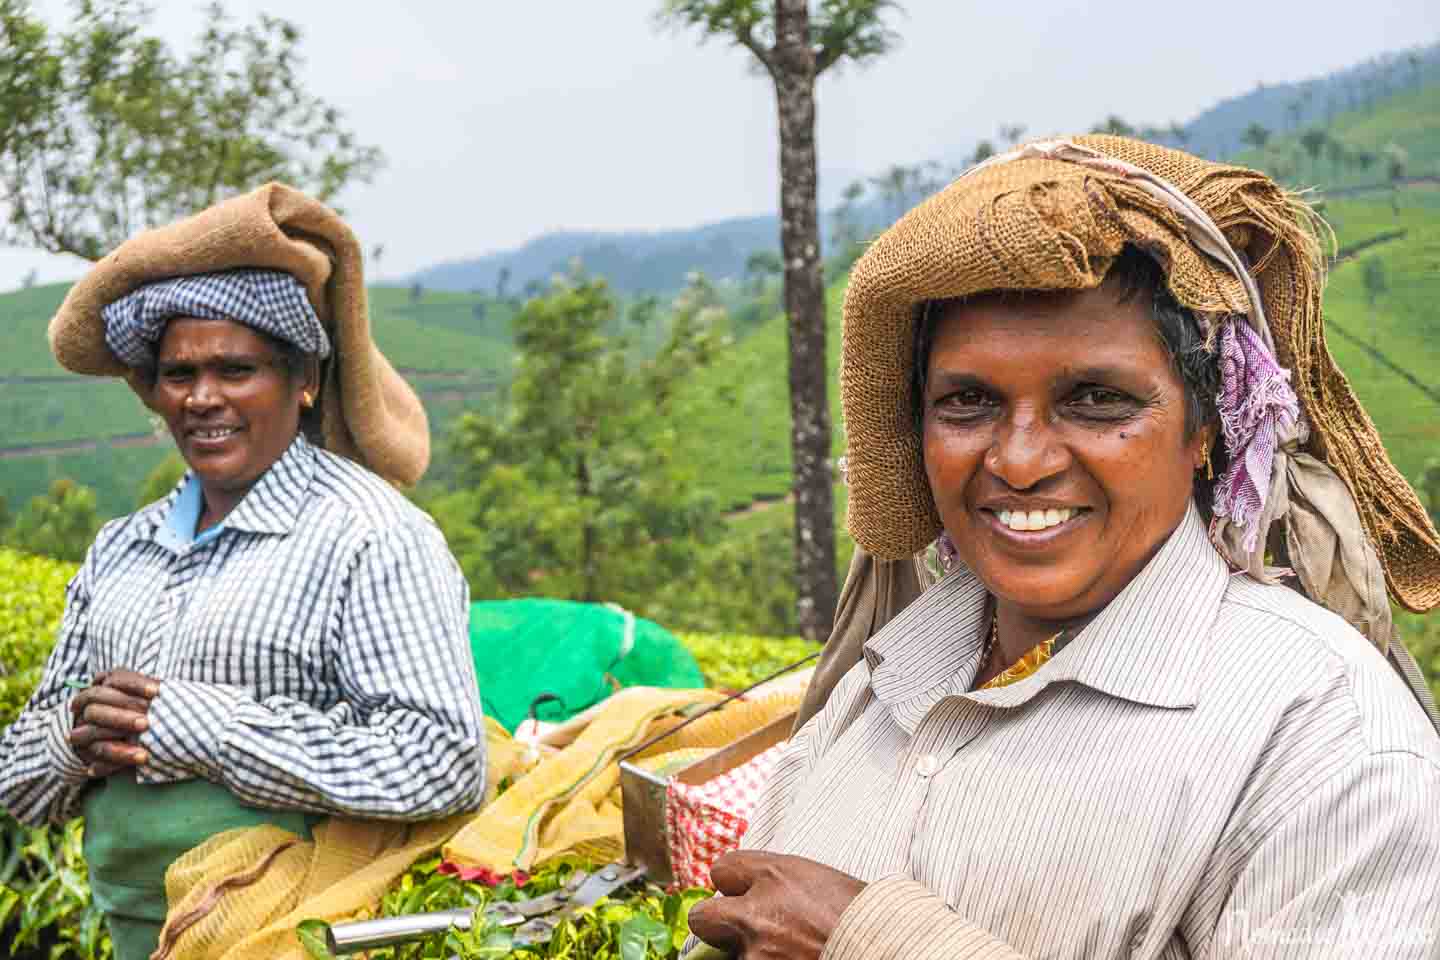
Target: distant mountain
x,y
1287,107
658,262
629,261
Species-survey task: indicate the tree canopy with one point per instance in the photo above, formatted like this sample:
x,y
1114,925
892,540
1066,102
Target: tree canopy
x,y
577,490
852,30
105,130
61,524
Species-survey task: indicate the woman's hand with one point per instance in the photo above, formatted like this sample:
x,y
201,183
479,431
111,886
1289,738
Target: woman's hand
x,y
109,715
773,905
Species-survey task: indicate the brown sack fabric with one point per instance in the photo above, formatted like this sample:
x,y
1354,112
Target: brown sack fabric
x,y
368,413
1036,223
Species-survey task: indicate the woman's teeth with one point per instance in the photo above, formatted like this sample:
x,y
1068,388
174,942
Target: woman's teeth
x,y
1034,519
215,434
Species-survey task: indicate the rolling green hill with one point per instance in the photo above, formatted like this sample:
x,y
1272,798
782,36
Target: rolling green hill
x,y
1354,149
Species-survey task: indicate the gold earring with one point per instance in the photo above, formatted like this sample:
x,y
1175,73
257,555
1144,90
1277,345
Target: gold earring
x,y
305,400
1209,470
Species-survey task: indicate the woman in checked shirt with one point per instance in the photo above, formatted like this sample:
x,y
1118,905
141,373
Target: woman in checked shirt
x,y
284,636
1154,707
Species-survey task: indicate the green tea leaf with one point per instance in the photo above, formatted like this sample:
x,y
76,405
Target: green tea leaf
x,y
679,920
313,937
639,934
9,900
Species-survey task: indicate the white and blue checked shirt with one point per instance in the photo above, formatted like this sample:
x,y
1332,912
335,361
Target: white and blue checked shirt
x,y
313,654
1212,768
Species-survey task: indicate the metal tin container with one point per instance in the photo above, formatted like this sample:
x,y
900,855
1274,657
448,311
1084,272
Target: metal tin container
x,y
643,794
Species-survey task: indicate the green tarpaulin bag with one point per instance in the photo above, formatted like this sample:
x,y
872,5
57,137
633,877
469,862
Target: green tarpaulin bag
x,y
575,653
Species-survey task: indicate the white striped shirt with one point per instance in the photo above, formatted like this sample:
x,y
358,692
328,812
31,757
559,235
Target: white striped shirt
x,y
313,655
1211,766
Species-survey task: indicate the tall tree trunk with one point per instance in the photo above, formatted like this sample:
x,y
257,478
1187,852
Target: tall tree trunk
x,y
588,560
794,74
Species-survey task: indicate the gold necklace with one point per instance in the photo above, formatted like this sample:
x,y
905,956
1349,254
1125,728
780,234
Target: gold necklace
x,y
1033,659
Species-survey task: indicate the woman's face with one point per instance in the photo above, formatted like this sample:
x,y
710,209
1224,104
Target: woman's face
x,y
231,403
1054,441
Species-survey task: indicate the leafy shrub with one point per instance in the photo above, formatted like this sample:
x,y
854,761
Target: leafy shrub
x,y
32,599
60,524
45,905
732,661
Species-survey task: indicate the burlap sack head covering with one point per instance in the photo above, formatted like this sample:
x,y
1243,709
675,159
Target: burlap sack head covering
x,y
368,413
1235,249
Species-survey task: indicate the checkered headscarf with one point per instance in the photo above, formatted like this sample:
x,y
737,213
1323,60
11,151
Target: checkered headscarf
x,y
270,301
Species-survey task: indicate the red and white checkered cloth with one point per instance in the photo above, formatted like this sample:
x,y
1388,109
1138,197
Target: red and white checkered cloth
x,y
706,822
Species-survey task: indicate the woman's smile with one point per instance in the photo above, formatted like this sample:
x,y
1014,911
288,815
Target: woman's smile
x,y
208,439
1036,527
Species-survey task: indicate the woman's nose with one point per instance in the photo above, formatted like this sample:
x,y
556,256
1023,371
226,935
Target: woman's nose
x,y
204,395
1025,451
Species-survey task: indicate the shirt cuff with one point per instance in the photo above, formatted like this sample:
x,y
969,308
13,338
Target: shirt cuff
x,y
897,918
67,762
187,728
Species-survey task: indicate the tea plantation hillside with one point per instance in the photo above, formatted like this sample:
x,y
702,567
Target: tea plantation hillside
x,y
455,348
1398,139
1386,348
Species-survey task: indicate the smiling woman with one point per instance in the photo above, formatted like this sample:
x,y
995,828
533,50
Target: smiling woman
x,y
282,638
1154,707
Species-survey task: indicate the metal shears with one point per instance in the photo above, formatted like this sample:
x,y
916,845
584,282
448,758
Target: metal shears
x,y
535,920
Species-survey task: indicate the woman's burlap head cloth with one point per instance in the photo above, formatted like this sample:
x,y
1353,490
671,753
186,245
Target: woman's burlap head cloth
x,y
1238,251
368,413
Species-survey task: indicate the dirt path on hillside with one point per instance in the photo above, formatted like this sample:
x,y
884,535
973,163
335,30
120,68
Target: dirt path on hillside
x,y
757,506
1348,253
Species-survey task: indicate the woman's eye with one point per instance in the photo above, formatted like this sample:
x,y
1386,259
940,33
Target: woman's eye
x,y
1100,400
175,376
236,371
965,403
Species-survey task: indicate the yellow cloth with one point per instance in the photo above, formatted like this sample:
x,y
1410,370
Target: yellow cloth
x,y
571,802
240,895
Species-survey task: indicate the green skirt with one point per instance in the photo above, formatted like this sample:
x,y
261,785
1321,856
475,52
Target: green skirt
x,y
133,832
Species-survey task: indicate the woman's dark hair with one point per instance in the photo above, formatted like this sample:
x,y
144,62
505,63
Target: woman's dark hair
x,y
1135,274
293,360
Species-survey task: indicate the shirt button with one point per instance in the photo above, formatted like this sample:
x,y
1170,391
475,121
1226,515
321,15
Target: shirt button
x,y
927,766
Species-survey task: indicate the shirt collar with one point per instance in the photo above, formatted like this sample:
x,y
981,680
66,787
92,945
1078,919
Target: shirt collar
x,y
271,506
273,503
1142,647
181,516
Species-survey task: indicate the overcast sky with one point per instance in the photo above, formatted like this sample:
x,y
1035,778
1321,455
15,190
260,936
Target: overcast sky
x,y
501,121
